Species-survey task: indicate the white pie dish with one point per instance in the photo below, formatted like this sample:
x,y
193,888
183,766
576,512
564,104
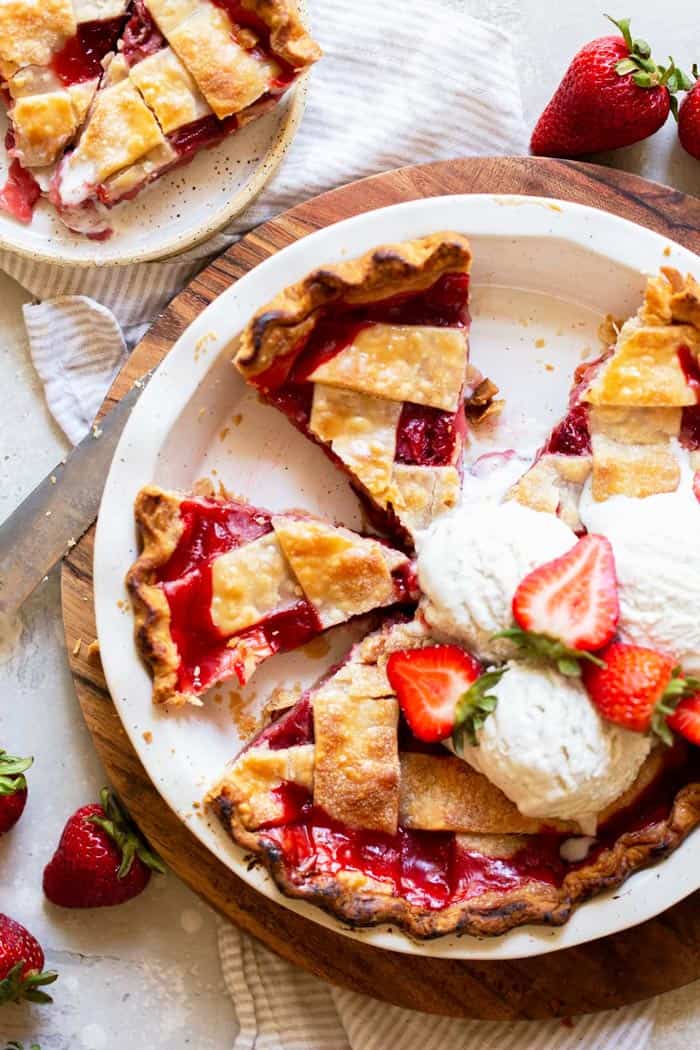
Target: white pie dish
x,y
179,211
543,270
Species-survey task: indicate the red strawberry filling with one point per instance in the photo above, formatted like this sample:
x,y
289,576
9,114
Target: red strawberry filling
x,y
572,436
212,528
20,193
80,57
425,436
431,869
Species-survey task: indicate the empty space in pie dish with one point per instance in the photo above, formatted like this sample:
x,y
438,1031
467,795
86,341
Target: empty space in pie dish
x,y
542,281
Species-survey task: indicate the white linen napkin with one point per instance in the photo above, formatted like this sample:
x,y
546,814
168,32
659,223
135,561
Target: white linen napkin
x,y
280,1007
399,83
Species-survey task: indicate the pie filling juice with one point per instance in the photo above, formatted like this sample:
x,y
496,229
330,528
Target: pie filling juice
x,y
213,528
431,869
425,436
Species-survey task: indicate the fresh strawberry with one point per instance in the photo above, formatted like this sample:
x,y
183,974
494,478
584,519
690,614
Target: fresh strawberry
x,y
429,683
686,719
21,965
568,607
13,789
612,94
101,858
637,688
689,118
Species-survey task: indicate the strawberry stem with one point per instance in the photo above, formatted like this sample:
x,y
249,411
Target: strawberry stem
x,y
11,770
543,648
17,986
121,829
473,708
643,69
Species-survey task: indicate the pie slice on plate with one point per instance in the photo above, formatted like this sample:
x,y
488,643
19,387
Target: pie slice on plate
x,y
346,809
369,358
119,92
221,585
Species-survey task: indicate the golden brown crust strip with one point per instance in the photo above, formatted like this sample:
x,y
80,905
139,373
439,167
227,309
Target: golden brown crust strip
x,y
289,37
158,518
390,269
364,902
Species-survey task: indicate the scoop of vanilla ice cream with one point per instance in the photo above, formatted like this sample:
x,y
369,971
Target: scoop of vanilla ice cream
x,y
548,750
656,543
470,562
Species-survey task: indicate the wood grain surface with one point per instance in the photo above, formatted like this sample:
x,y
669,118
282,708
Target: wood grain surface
x,y
655,957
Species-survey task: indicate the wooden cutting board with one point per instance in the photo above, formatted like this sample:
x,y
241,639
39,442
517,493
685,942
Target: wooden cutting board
x,y
659,955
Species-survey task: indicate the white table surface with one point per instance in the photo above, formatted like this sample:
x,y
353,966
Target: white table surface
x,y
146,975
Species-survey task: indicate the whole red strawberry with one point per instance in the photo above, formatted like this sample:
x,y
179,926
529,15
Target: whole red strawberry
x,y
101,858
612,94
637,688
689,118
13,789
21,965
686,719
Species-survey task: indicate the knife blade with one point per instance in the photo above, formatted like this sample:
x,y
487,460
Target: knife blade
x,y
61,508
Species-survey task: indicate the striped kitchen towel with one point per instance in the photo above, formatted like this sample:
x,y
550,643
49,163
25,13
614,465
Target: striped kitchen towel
x,y
399,83
280,1007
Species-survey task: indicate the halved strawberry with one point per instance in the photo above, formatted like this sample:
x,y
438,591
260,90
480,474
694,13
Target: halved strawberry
x,y
429,683
686,719
568,607
638,688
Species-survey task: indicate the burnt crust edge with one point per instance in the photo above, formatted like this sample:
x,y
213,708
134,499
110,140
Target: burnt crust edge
x,y
157,515
490,914
391,268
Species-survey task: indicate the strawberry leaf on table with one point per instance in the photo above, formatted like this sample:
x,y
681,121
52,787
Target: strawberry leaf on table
x,y
21,965
12,769
118,825
542,648
473,708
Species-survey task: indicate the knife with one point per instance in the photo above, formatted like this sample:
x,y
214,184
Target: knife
x,y
51,520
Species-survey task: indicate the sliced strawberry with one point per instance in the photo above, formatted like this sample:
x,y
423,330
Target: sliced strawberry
x,y
686,719
637,688
572,599
429,683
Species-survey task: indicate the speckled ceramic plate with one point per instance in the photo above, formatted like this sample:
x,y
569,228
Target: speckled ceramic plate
x,y
179,210
545,273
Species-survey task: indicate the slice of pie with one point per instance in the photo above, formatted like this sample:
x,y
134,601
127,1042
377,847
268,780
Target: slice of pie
x,y
345,808
143,86
221,586
633,412
369,358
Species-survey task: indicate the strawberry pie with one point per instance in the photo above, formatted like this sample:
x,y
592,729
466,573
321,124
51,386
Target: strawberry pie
x,y
527,736
221,586
370,359
105,97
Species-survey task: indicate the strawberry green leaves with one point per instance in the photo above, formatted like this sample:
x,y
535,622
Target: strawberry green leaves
x,y
12,769
544,649
118,826
473,708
